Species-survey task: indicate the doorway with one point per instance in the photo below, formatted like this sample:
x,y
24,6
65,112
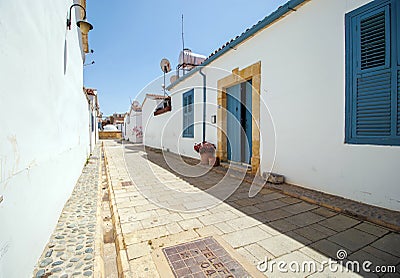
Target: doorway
x,y
242,87
239,122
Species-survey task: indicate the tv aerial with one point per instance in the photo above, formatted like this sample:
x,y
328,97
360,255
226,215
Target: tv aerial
x,y
165,67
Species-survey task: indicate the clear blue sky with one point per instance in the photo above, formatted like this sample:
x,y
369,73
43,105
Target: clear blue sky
x,y
131,37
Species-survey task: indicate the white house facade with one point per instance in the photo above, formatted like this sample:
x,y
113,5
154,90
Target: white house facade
x,y
153,126
94,115
297,72
44,148
133,124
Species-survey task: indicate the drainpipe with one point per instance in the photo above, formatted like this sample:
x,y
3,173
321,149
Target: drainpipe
x,y
204,104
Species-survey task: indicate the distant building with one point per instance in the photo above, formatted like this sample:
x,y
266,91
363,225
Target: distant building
x,y
94,115
133,124
118,120
152,121
114,119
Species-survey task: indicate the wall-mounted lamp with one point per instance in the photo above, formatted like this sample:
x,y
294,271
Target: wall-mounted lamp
x,y
83,24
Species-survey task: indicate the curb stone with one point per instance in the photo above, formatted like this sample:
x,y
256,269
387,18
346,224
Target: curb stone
x,y
124,270
99,271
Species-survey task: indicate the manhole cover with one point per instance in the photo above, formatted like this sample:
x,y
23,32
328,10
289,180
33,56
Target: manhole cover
x,y
126,183
202,258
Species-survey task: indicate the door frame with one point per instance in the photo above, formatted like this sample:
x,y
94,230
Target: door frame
x,y
252,72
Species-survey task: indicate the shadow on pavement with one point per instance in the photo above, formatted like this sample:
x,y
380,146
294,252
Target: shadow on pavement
x,y
322,230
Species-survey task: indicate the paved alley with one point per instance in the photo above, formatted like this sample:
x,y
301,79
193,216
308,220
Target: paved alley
x,y
162,201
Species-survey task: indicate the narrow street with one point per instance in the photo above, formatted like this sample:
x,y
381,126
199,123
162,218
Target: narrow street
x,y
133,205
155,208
216,139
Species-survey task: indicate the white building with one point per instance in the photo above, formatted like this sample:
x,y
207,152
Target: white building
x,y
153,125
297,70
94,116
44,148
133,131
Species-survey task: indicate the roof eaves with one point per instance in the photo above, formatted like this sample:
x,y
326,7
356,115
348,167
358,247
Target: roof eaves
x,y
268,20
153,97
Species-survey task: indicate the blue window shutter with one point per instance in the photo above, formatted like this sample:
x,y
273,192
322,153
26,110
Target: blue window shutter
x,y
374,39
398,103
372,89
188,114
372,108
396,32
185,116
372,111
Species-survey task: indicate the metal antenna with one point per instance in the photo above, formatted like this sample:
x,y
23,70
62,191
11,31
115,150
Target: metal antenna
x,y
164,84
183,41
183,49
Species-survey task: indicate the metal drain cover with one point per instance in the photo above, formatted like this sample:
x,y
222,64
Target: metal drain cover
x,y
202,258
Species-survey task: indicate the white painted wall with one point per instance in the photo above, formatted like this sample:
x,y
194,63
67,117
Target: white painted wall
x,y
165,131
133,127
151,124
44,147
93,112
303,86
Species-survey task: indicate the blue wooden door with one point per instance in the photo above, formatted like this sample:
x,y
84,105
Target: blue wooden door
x,y
247,121
233,122
239,123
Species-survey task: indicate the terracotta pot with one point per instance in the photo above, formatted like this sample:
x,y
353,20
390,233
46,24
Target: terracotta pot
x,y
211,161
204,158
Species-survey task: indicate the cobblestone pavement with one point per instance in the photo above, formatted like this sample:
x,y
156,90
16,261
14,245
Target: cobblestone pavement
x,y
70,251
156,207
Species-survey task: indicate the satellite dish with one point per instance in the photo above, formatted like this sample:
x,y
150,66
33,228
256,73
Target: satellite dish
x,y
165,65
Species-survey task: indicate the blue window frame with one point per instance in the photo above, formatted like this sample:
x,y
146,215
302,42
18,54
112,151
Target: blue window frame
x,y
188,114
373,74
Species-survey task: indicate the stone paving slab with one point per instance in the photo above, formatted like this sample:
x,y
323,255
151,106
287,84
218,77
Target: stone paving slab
x,y
71,248
279,228
377,215
353,239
